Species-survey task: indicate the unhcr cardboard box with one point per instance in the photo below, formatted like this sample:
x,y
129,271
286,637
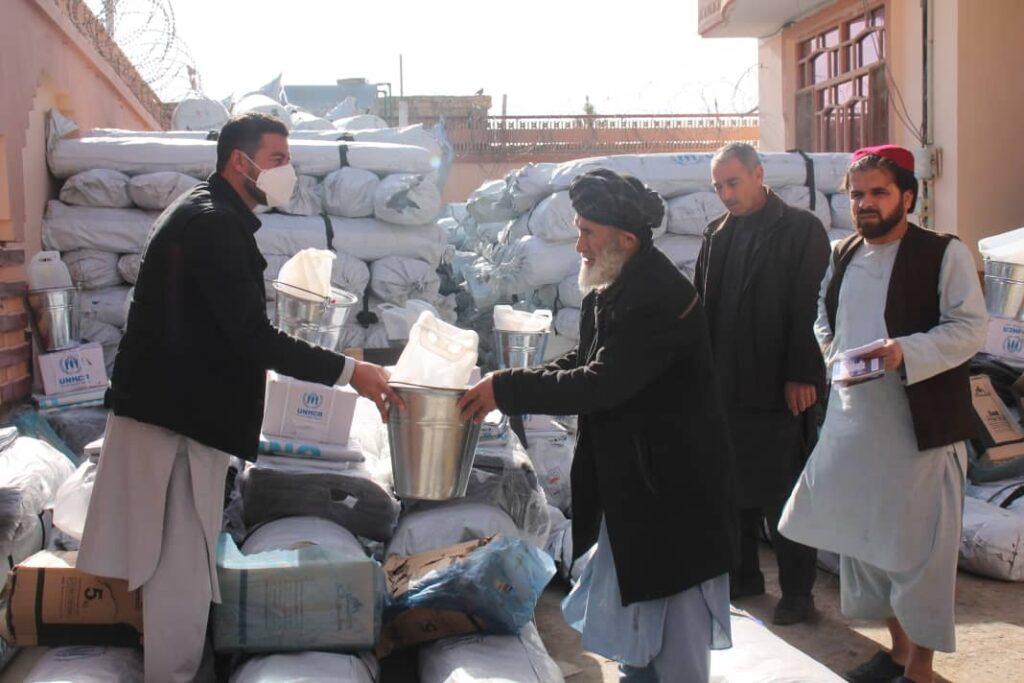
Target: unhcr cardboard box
x,y
74,369
48,602
1000,434
1005,339
308,412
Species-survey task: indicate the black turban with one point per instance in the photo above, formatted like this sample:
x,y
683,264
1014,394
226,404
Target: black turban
x,y
618,200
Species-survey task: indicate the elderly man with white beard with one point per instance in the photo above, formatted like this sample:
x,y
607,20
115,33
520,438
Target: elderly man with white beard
x,y
652,476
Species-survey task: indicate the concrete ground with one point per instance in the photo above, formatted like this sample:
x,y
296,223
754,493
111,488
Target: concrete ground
x,y
990,631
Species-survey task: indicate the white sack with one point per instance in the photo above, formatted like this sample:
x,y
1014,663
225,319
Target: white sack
x,y
348,192
567,323
308,667
303,120
830,171
259,102
128,266
407,199
839,205
198,112
569,293
800,196
759,655
97,187
157,191
554,218
533,262
31,471
105,305
359,122
88,664
106,335
369,239
291,533
527,186
92,268
515,230
347,107
71,502
449,524
518,658
691,213
198,158
992,541
551,453
490,203
682,250
66,228
396,279
305,199
559,545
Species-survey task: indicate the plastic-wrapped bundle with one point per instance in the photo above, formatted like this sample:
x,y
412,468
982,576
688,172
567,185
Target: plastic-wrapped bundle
x,y
559,544
800,196
92,268
308,667
97,187
489,203
515,230
349,497
519,658
305,199
682,250
839,205
128,266
348,192
88,664
569,293
567,323
395,280
157,191
359,122
533,262
258,102
447,524
999,492
105,305
528,185
407,199
551,453
71,502
303,120
691,213
31,471
991,541
104,334
467,586
123,231
198,112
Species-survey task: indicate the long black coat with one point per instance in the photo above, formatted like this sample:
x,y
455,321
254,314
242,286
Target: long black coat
x,y
198,344
773,331
652,454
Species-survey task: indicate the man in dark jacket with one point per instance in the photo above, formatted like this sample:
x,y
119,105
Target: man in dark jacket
x,y
652,472
187,392
758,274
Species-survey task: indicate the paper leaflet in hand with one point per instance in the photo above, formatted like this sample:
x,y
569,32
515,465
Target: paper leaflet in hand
x,y
850,367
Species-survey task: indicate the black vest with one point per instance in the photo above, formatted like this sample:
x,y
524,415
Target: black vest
x,y
941,405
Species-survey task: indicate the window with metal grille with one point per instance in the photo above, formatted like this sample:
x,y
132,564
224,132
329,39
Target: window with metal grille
x,y
842,98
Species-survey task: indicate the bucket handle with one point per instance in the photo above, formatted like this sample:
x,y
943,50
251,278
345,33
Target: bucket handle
x,y
323,300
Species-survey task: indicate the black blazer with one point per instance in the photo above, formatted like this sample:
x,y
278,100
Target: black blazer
x,y
198,343
652,453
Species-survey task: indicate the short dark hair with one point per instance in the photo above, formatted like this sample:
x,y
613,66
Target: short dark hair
x,y
245,132
905,180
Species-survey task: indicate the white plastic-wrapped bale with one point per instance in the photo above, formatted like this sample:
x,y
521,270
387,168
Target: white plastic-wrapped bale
x,y
396,279
518,658
348,192
527,186
800,196
66,228
88,664
551,453
455,522
258,102
198,112
369,239
305,199
308,667
106,305
515,230
682,250
554,218
490,203
407,199
992,541
567,323
92,268
128,266
569,293
106,335
691,213
97,187
839,205
303,120
157,191
359,122
31,471
533,262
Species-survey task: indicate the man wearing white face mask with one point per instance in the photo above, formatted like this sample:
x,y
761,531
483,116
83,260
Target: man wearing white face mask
x,y
187,392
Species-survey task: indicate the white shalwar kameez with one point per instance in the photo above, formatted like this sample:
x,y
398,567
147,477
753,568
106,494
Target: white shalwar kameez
x,y
154,519
892,512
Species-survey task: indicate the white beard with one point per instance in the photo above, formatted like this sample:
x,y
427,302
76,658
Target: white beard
x,y
604,270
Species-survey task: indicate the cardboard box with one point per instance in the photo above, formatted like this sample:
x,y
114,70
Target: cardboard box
x,y
49,602
1005,339
306,411
73,370
307,598
1000,433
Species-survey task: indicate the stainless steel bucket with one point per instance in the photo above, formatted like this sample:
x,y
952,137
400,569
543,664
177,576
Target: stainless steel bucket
x,y
520,349
432,447
312,318
55,317
1004,289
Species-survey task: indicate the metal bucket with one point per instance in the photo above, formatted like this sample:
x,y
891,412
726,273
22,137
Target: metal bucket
x,y
307,316
1004,289
55,317
520,349
432,447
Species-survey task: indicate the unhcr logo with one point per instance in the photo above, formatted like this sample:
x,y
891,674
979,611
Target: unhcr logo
x,y
1013,344
310,408
70,365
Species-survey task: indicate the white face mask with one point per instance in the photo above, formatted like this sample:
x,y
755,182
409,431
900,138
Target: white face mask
x,y
277,183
